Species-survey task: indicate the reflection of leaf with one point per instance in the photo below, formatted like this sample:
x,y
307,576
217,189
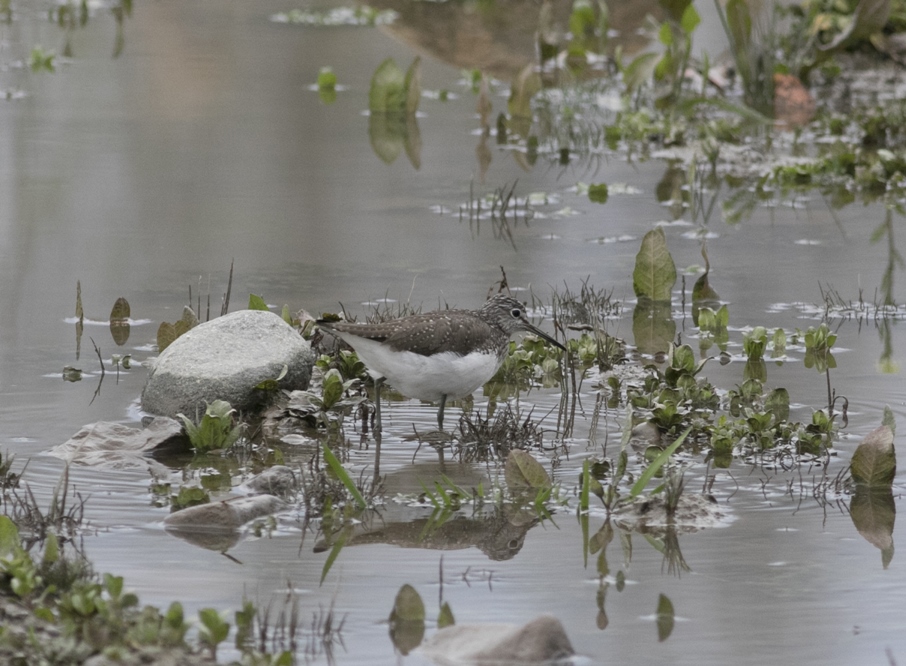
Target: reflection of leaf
x,y
874,462
655,272
665,618
653,327
873,513
523,471
390,133
755,368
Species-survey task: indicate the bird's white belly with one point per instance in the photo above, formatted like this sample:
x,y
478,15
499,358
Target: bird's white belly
x,y
427,377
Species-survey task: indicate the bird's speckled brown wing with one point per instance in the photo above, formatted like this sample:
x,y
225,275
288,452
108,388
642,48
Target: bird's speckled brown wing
x,y
413,335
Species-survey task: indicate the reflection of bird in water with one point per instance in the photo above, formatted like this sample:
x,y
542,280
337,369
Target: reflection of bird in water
x,y
499,535
438,355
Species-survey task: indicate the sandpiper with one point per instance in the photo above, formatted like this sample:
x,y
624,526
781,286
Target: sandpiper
x,y
438,355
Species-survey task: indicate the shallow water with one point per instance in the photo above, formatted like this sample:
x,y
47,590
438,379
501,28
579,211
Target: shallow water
x,y
202,144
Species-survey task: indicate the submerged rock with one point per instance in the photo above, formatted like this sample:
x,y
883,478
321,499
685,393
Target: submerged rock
x,y
278,480
224,516
693,512
225,359
541,640
117,446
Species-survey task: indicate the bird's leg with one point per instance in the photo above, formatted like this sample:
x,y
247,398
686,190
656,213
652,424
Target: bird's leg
x,y
377,404
440,413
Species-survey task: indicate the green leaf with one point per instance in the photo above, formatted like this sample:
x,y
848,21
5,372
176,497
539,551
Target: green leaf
x,y
523,471
9,538
388,89
665,617
327,80
874,462
889,420
51,549
598,193
332,389
445,619
408,606
639,71
257,303
655,272
121,309
690,20
343,476
332,555
413,86
656,464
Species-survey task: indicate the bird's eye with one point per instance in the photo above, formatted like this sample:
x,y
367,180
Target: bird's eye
x,y
516,312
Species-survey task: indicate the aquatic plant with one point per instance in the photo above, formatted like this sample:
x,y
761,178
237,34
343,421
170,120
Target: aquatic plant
x,y
215,430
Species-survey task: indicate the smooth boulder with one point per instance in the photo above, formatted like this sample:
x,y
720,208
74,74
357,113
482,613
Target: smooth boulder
x,y
225,359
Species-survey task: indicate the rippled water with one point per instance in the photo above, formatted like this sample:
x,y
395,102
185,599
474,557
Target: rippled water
x,y
202,144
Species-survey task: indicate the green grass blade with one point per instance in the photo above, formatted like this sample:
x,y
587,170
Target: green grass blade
x,y
656,464
343,476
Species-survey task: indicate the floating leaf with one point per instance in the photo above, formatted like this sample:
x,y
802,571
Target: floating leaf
x,y
665,618
598,193
408,606
523,471
778,403
121,309
388,89
78,302
889,420
327,80
407,620
874,462
413,86
445,619
655,272
166,334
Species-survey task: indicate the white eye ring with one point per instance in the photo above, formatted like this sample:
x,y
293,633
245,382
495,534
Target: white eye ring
x,y
516,313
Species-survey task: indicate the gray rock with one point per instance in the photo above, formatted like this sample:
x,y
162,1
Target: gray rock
x,y
278,480
541,640
224,516
111,445
225,359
